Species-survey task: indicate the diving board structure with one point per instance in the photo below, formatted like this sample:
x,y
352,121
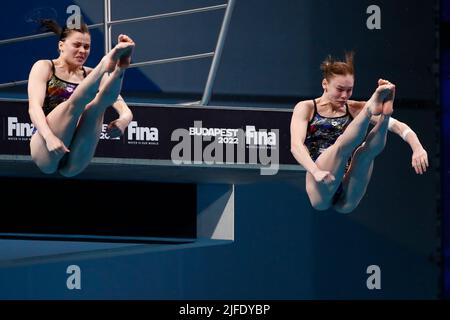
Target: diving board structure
x,y
181,150
170,143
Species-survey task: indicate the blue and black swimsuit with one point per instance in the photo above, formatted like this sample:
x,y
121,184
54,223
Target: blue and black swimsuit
x,y
322,132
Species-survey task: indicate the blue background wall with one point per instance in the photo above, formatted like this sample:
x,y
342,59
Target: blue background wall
x,y
445,98
283,249
272,49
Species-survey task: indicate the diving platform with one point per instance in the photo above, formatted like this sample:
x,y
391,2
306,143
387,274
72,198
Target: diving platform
x,y
167,183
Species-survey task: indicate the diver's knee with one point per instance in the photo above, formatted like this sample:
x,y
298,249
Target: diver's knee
x,y
69,172
48,169
344,209
320,205
317,202
45,167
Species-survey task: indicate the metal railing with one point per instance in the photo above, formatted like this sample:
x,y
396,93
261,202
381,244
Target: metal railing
x,y
108,23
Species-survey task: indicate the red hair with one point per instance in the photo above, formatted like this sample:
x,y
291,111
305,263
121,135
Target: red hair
x,y
331,67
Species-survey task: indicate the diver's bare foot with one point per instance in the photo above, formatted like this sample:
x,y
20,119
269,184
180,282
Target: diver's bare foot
x,y
120,55
382,99
388,104
125,59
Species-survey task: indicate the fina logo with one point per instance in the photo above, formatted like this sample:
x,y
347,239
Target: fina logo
x,y
252,136
18,130
260,137
142,135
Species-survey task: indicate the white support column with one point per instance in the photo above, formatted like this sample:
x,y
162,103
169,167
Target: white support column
x,y
216,221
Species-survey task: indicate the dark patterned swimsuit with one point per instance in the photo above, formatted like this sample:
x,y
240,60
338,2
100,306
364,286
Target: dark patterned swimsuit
x,y
322,132
58,91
